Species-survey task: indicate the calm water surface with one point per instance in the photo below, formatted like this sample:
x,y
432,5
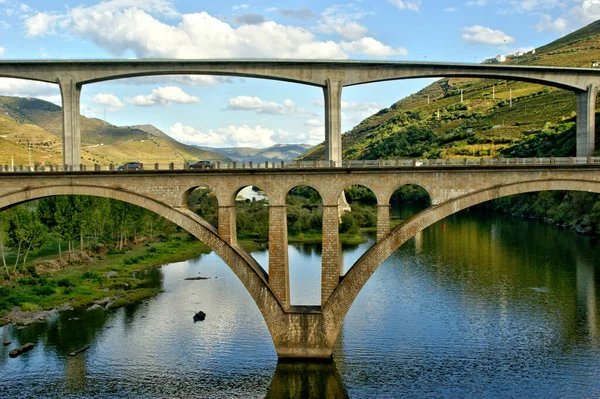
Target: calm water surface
x,y
475,306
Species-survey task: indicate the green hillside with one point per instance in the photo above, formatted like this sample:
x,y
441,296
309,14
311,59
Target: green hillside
x,y
34,123
433,123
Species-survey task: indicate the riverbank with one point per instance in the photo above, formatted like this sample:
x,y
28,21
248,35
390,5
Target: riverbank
x,y
108,281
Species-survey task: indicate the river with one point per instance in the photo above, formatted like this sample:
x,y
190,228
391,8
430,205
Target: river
x,y
478,305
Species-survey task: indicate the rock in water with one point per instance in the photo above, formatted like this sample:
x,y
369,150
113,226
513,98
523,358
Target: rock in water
x,y
200,316
21,349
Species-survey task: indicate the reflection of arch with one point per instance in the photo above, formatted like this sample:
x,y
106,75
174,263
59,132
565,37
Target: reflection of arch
x,y
252,276
342,298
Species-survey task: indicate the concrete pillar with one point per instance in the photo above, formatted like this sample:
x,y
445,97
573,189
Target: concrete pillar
x,y
330,255
279,273
227,224
586,121
383,221
333,121
70,92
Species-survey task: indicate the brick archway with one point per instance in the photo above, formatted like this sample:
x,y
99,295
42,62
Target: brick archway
x,y
342,298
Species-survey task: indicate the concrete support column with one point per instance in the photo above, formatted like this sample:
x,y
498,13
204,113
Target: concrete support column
x,y
227,224
70,92
331,262
383,221
333,121
279,274
586,121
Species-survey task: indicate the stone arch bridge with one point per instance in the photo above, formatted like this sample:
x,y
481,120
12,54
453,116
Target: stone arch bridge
x,y
303,331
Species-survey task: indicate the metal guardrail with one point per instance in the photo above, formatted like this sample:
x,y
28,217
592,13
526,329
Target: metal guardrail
x,y
380,163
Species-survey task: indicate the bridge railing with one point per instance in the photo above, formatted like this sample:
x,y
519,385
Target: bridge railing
x,y
379,163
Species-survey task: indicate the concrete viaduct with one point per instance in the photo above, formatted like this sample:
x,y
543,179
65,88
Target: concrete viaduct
x,y
332,76
303,331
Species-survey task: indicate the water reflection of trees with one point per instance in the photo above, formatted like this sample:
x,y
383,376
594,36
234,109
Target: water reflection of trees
x,y
309,249
512,261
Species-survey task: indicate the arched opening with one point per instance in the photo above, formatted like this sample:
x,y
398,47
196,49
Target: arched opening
x,y
406,201
30,124
304,224
358,225
252,222
203,201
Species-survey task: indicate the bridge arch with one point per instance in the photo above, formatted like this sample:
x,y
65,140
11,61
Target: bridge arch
x,y
341,300
250,273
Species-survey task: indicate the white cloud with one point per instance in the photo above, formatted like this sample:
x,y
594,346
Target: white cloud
x,y
412,5
559,25
197,36
180,80
478,3
342,20
483,35
1,51
311,136
371,47
537,5
28,88
450,9
588,11
239,7
313,123
42,24
109,100
122,26
353,112
230,136
165,97
255,104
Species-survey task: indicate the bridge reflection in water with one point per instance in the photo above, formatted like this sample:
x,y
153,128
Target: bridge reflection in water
x,y
306,380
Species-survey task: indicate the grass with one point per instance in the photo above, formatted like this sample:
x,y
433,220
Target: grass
x,y
81,285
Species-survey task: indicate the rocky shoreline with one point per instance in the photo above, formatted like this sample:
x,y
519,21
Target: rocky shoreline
x,y
20,317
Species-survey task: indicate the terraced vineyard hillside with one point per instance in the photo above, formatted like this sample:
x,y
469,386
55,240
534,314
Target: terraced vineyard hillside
x,y
32,129
495,118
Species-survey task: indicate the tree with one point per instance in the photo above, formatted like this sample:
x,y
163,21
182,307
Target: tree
x,y
25,232
3,226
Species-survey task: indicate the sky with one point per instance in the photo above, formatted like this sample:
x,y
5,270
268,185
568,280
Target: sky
x,y
226,111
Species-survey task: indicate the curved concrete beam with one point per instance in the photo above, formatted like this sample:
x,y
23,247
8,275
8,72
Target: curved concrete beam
x,y
315,73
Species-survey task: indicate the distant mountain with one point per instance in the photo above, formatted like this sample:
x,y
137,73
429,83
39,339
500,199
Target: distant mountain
x,y
38,123
276,153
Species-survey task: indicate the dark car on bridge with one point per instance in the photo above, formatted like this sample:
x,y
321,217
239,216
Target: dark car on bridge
x,y
202,165
131,166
